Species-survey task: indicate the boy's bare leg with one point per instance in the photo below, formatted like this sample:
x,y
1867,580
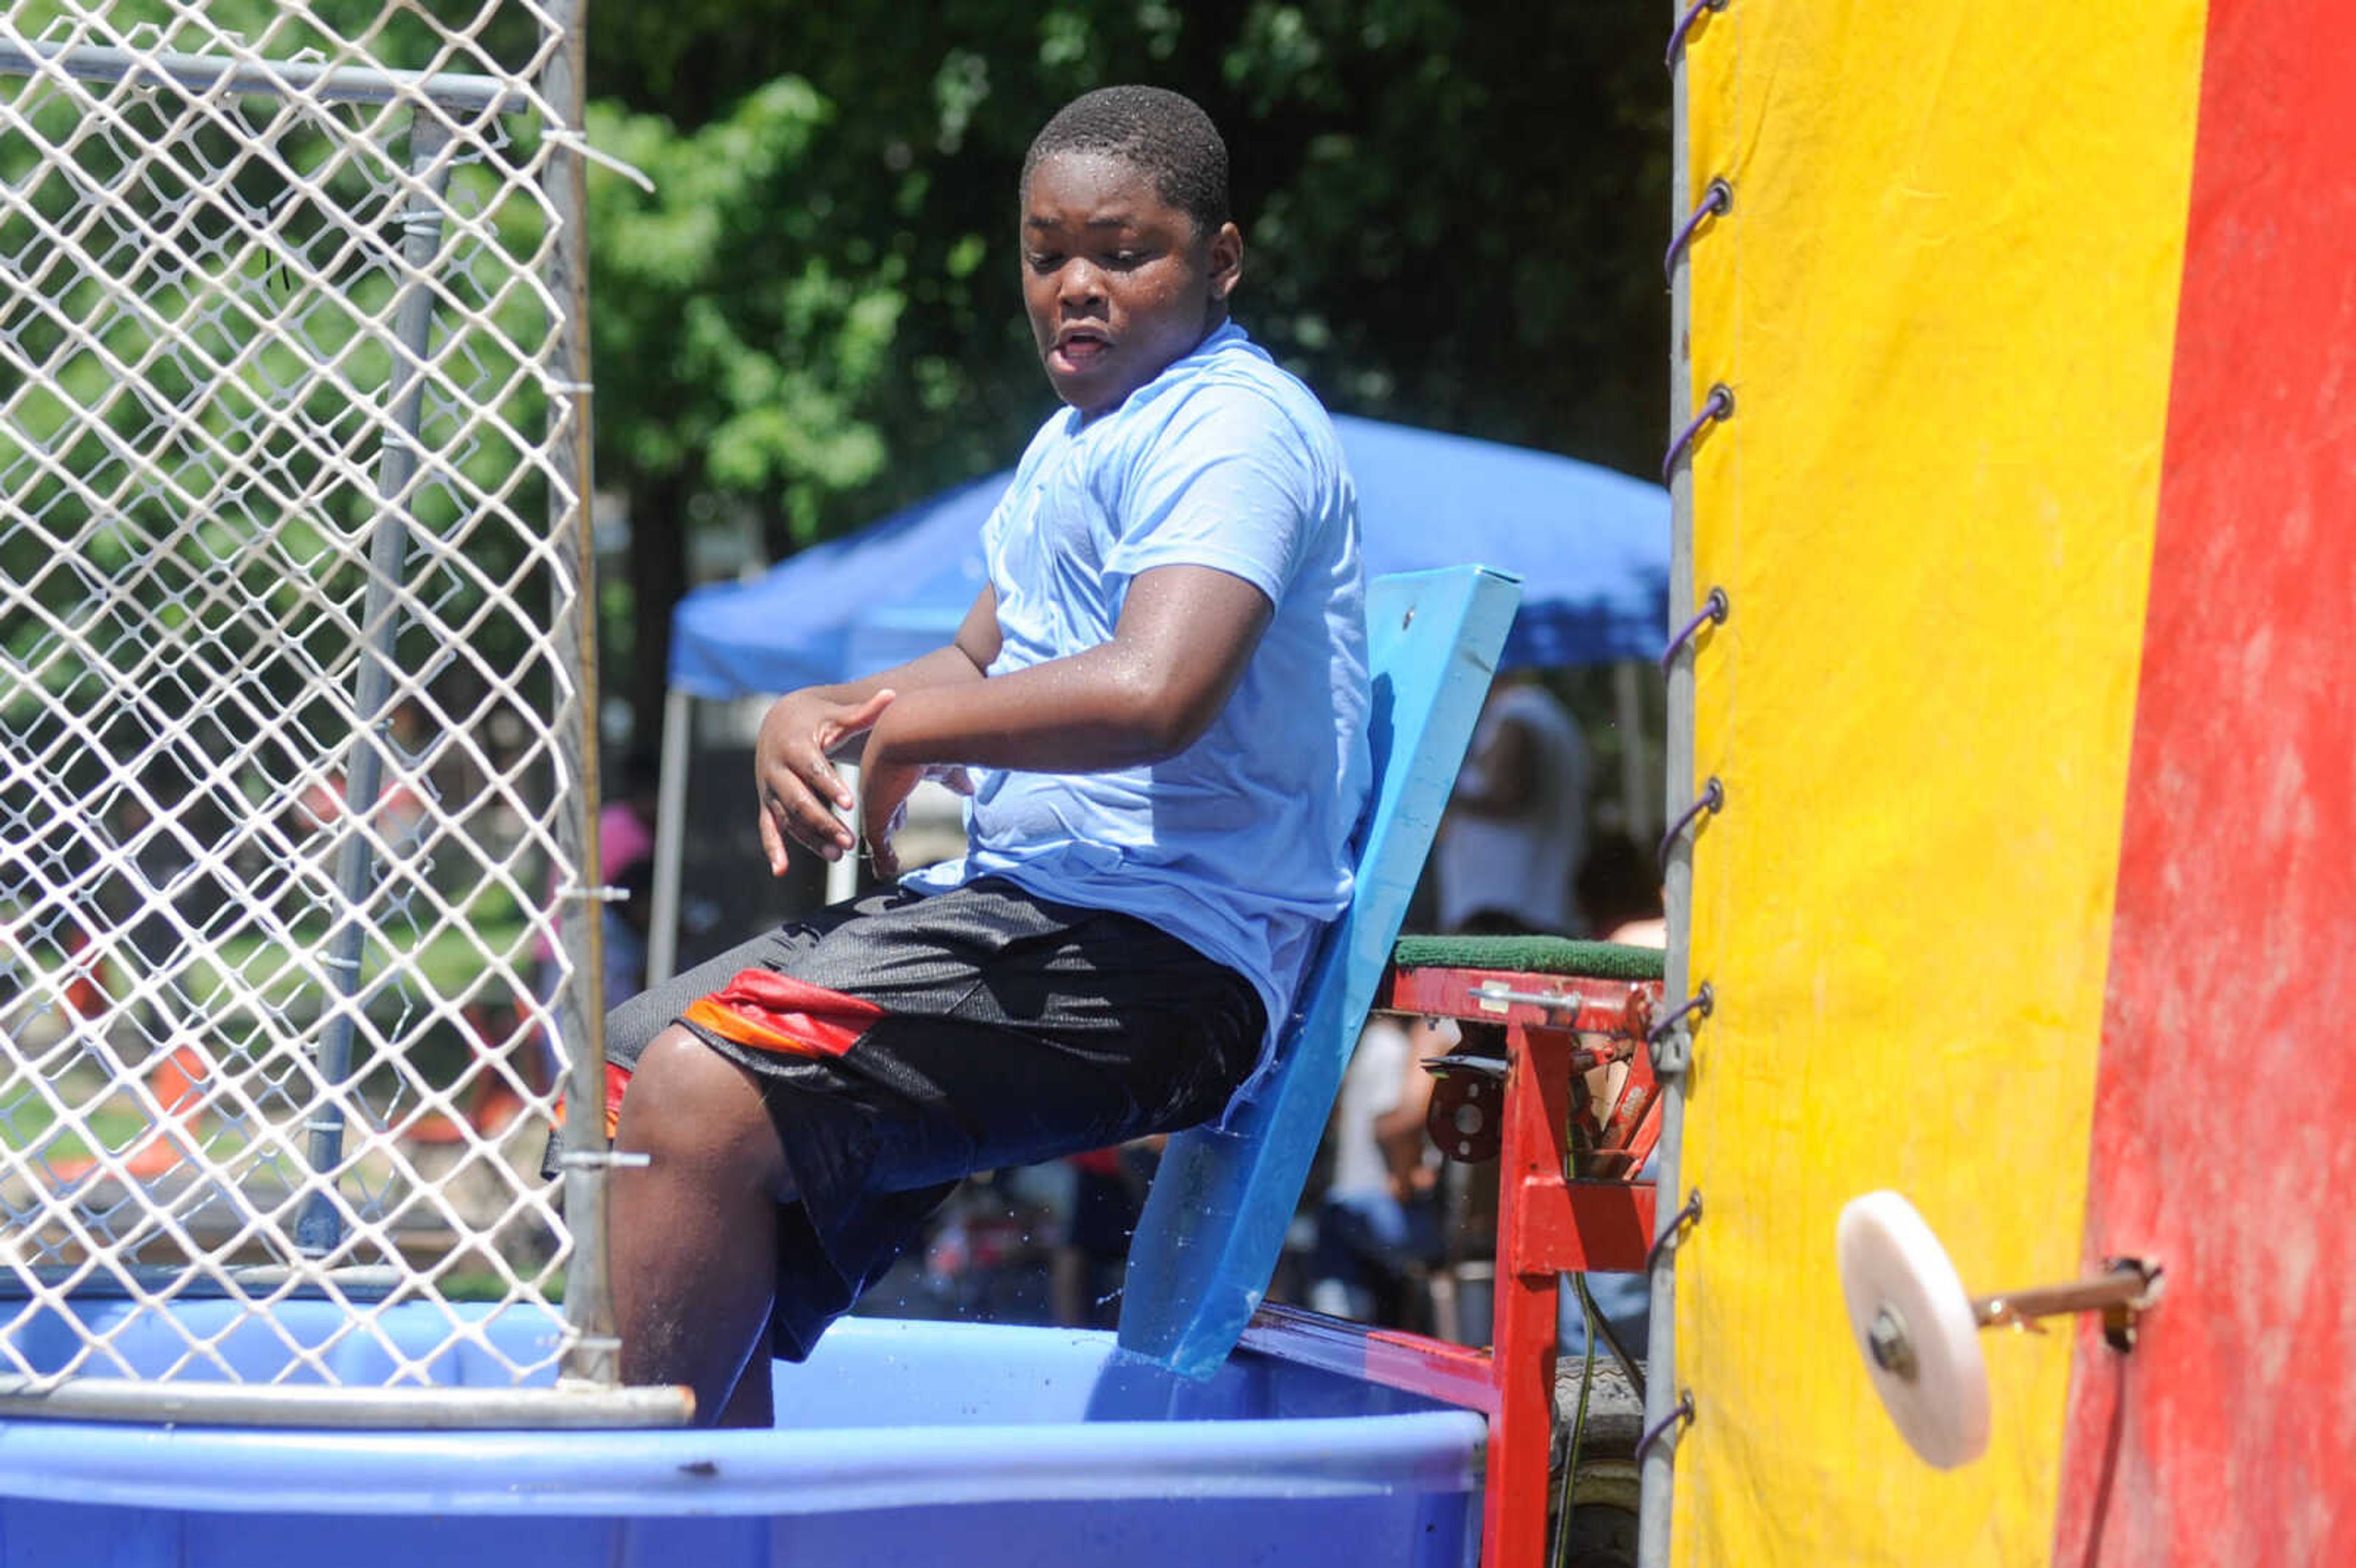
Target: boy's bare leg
x,y
755,1402
694,1231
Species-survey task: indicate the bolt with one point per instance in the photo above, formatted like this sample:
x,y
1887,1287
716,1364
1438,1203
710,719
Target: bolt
x,y
1887,1341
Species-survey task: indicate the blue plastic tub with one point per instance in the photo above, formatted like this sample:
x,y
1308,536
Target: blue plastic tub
x,y
900,1443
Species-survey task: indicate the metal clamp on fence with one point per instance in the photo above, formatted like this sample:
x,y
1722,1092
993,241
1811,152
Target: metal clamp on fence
x,y
603,1159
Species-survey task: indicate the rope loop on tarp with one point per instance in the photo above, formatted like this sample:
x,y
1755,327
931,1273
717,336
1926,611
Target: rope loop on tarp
x,y
1719,405
1717,201
1671,1045
1714,611
1685,25
1687,1212
1703,1001
1712,801
1681,1416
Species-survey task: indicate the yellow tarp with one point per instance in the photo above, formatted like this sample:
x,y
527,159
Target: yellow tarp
x,y
1945,302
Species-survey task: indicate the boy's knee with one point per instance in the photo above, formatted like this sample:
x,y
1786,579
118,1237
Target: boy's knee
x,y
688,1105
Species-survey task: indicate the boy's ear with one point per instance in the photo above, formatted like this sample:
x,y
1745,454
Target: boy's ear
x,y
1227,261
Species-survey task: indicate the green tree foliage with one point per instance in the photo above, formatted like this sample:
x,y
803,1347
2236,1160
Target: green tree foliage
x,y
1454,211
196,349
188,337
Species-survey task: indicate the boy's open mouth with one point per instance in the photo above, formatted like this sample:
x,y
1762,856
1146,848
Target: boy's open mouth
x,y
1076,348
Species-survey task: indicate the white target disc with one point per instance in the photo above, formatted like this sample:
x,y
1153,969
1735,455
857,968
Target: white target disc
x,y
1914,1322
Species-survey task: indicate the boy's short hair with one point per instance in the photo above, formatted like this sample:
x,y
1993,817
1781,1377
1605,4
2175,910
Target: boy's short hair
x,y
1164,133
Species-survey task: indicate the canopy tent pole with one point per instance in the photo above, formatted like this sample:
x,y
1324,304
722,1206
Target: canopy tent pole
x,y
843,876
671,837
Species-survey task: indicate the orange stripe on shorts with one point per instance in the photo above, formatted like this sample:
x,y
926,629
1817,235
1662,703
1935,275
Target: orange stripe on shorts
x,y
618,1083
763,1011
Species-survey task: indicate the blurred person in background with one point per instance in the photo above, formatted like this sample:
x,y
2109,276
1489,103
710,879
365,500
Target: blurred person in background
x,y
1379,1230
1516,823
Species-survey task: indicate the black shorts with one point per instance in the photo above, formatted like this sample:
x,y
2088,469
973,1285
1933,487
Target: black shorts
x,y
1011,1031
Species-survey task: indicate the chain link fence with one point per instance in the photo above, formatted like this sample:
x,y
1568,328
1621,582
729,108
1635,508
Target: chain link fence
x,y
297,959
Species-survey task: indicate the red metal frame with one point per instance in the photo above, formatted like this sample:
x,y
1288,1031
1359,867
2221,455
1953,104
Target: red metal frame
x,y
1547,1226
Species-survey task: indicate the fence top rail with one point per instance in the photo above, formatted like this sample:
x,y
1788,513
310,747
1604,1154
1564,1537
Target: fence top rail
x,y
322,80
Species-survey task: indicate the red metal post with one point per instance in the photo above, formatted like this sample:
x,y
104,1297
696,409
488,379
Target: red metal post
x,y
1546,1227
1537,1107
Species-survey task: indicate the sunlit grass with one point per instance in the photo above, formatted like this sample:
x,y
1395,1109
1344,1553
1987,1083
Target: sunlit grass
x,y
29,1123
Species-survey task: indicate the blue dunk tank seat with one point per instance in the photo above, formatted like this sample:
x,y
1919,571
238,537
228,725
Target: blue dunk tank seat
x,y
1215,1218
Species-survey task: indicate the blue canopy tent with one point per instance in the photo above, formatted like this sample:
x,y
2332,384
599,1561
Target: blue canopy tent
x,y
1591,547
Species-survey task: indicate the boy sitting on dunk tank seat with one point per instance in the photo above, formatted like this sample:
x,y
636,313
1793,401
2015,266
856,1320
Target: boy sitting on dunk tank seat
x,y
1161,697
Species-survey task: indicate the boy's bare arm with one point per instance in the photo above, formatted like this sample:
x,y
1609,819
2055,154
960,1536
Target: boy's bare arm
x,y
792,770
1399,1132
1185,637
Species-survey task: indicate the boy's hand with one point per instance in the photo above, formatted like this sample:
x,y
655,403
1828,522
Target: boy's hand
x,y
884,785
898,783
798,789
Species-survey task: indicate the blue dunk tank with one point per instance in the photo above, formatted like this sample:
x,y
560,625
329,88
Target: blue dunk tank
x,y
333,1418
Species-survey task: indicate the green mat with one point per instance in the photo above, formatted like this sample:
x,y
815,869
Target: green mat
x,y
1529,956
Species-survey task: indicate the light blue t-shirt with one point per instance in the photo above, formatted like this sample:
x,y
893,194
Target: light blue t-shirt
x,y
1239,845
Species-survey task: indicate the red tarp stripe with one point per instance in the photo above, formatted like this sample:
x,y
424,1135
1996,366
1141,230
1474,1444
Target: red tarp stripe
x,y
2224,1099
